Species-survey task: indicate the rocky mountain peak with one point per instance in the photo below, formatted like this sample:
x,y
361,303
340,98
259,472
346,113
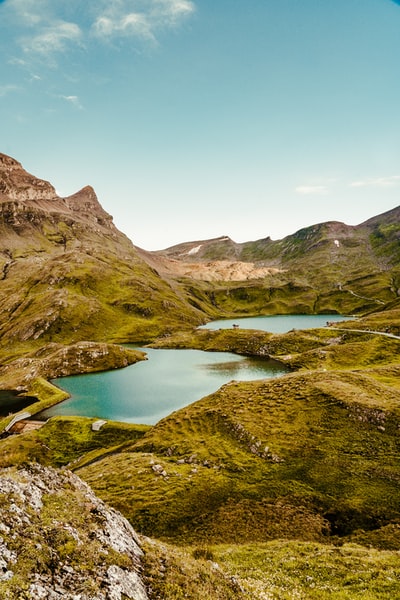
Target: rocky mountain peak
x,y
18,184
86,203
26,200
8,162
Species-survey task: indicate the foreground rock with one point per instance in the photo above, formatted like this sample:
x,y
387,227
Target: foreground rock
x,y
59,541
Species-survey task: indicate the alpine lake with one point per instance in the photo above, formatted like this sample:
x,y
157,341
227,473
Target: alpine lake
x,y
171,379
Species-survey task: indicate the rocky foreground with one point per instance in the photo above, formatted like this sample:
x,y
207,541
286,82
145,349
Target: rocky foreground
x,y
59,541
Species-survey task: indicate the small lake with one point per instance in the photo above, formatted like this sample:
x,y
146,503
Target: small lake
x,y
277,323
150,390
170,379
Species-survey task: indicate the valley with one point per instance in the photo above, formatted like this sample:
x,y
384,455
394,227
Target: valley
x,y
278,488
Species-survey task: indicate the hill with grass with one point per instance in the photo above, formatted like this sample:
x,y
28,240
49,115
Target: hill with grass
x,y
68,274
70,280
327,267
284,488
273,489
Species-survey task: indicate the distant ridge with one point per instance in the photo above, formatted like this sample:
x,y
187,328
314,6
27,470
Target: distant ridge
x,y
67,274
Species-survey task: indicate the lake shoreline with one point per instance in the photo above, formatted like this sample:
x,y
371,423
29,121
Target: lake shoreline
x,y
58,394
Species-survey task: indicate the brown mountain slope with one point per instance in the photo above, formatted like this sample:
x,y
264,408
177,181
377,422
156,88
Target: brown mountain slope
x,y
67,273
377,240
325,267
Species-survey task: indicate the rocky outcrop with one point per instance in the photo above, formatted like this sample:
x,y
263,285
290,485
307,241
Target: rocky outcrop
x,y
25,199
85,204
56,360
213,270
59,541
17,184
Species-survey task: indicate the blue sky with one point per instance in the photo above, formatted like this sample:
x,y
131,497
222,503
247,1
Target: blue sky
x,y
199,118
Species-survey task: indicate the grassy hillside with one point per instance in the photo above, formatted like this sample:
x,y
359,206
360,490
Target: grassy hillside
x,y
286,487
94,295
262,460
257,460
328,267
68,275
277,570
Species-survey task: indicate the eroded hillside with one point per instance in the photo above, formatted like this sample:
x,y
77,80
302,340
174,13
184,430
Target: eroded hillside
x,y
69,275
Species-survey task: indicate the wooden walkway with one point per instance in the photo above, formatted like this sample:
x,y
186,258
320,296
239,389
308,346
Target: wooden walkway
x,y
26,425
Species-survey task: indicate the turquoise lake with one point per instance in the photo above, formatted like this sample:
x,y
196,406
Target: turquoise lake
x,y
170,379
277,323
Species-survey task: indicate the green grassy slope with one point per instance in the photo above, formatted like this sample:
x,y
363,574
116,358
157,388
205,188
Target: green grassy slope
x,y
328,267
286,487
265,459
277,570
299,476
311,455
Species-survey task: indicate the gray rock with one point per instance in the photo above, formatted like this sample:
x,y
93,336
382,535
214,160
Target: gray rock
x,y
26,493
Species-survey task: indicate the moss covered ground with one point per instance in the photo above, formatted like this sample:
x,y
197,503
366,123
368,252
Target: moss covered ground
x,y
285,488
63,440
275,570
264,459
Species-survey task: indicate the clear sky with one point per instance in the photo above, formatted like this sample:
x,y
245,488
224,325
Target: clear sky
x,y
194,119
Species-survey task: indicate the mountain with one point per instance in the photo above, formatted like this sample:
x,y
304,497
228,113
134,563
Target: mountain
x,y
345,252
284,488
328,267
334,237
68,274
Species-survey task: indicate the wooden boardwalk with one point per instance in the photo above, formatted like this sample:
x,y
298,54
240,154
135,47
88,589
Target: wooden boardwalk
x,y
26,425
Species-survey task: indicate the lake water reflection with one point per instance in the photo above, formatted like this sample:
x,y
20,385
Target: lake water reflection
x,y
152,389
277,323
12,402
170,379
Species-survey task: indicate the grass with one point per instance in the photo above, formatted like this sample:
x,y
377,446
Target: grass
x,y
260,460
265,459
257,460
63,440
285,570
276,570
283,488
173,573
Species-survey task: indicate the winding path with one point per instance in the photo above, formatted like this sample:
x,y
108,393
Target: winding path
x,y
390,335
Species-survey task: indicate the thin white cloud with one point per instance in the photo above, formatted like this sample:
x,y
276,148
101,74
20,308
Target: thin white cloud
x,y
42,28
19,62
53,38
142,19
47,27
314,190
132,24
74,100
30,12
377,182
171,12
